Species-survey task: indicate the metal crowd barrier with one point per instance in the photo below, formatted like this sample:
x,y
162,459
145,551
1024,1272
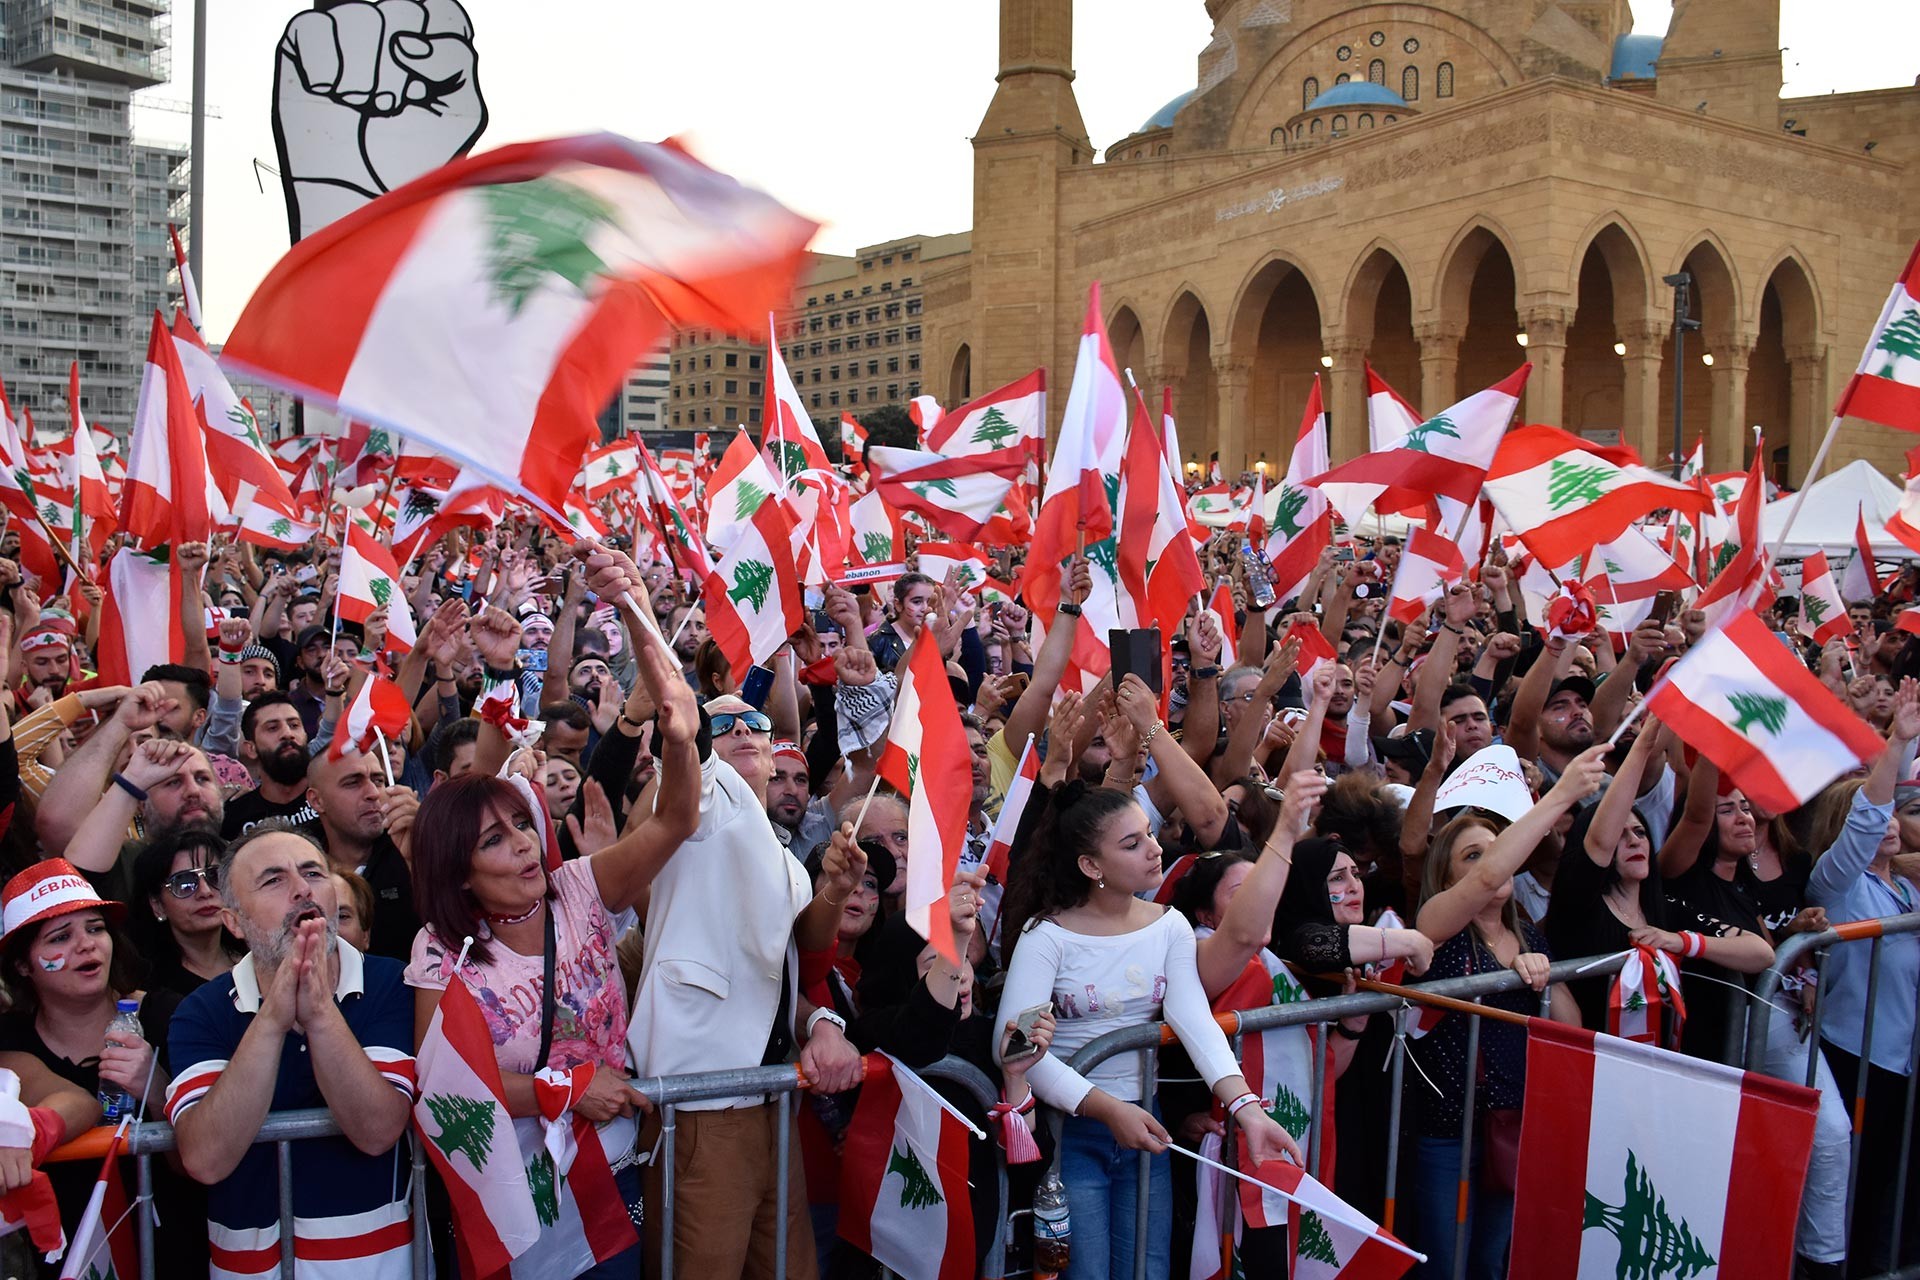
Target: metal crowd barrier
x,y
1147,1038
1790,957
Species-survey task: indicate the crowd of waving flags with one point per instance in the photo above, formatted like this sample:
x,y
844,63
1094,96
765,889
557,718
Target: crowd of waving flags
x,y
481,315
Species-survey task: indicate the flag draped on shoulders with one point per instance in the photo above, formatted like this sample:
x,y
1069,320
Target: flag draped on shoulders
x,y
491,307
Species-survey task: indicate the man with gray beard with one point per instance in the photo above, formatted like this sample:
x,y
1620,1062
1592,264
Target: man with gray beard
x,y
304,1020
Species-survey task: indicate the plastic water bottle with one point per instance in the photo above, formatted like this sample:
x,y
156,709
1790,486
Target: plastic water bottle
x,y
115,1101
1052,1231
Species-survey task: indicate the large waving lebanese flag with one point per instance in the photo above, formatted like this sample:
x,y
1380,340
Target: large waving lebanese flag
x,y
1016,414
369,582
1886,386
740,486
927,760
1638,1161
958,496
491,307
753,595
166,496
238,454
1564,499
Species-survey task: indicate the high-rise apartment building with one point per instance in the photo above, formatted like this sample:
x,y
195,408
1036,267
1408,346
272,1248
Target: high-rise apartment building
x,y
84,257
644,395
850,339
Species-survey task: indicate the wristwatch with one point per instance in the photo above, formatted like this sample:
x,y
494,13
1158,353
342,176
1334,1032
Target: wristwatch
x,y
1203,673
825,1015
1069,608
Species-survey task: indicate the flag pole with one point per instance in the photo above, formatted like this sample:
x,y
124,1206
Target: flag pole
x,y
386,761
1800,498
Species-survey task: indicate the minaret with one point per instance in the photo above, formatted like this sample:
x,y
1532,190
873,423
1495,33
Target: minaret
x,y
1031,132
1722,58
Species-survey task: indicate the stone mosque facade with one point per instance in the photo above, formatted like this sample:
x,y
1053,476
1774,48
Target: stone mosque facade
x,y
1442,191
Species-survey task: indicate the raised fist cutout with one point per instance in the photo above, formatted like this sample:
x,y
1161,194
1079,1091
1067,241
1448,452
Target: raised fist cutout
x,y
367,96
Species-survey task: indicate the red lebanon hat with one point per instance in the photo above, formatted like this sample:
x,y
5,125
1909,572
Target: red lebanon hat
x,y
49,889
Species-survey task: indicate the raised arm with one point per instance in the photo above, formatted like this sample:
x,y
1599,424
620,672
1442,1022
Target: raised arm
x,y
1200,731
192,558
76,787
1647,644
1451,910
1523,726
1029,713
1248,922
1245,734
1610,815
1689,834
1437,672
1306,740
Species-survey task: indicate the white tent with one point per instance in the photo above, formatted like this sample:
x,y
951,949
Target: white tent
x,y
1833,506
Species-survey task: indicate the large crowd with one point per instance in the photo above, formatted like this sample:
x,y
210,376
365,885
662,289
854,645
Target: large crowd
x,y
281,917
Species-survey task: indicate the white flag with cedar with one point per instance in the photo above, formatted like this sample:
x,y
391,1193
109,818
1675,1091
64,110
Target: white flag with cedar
x,y
369,582
903,1177
753,595
1823,614
928,761
741,485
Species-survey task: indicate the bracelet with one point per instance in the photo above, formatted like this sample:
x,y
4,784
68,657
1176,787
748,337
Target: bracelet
x,y
627,719
496,675
1340,1029
232,657
341,692
1069,608
1152,733
1233,1108
825,1015
1692,944
1204,673
1448,626
120,781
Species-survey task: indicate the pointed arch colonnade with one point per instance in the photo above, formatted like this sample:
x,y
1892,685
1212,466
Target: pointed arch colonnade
x,y
1597,327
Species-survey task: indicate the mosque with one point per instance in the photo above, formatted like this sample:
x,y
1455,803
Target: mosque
x,y
1442,191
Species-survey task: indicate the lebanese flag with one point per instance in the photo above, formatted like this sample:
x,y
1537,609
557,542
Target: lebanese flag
x,y
425,513
370,581
1446,457
1302,517
238,454
189,292
1823,614
1747,703
1886,386
1429,565
927,760
1257,509
103,1246
925,413
1015,415
1174,576
378,709
1315,648
1331,1239
938,559
1007,824
140,624
92,506
461,1117
1862,581
903,1177
608,468
684,544
740,486
1630,1153
753,595
1904,523
1742,564
1075,506
1562,498
166,498
1634,568
1390,415
1221,607
1154,549
958,496
1214,506
789,442
1644,1002
877,536
491,307
265,524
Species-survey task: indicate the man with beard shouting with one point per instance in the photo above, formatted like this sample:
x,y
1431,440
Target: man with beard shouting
x,y
273,744
304,1020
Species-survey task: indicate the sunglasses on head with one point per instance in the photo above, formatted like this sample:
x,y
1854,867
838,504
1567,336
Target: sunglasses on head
x,y
184,884
758,721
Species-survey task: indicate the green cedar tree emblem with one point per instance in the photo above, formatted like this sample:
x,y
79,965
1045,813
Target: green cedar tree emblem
x,y
791,459
994,430
1438,425
1723,493
1684,532
539,228
50,513
1728,550
927,488
382,590
1653,1246
95,1273
420,505
1286,990
1315,1243
281,527
876,547
747,498
1571,482
1767,710
613,467
1614,569
1289,1112
1105,554
917,1190
543,1183
379,443
913,772
751,582
241,417
466,1127
1901,338
1816,608
1286,516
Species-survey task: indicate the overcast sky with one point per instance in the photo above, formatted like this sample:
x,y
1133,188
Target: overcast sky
x,y
855,112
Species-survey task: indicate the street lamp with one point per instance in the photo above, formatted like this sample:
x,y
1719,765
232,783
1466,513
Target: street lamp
x,y
1682,284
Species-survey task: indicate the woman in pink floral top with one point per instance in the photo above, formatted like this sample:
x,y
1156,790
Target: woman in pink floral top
x,y
479,873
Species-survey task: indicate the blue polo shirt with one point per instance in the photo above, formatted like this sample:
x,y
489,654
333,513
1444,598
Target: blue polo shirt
x,y
350,1209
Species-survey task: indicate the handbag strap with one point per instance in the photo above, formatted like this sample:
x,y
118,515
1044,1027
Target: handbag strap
x,y
546,994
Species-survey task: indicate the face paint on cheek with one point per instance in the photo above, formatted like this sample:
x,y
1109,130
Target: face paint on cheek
x,y
51,964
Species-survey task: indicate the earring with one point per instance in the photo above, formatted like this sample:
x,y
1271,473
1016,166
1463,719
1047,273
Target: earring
x,y
1101,883
160,915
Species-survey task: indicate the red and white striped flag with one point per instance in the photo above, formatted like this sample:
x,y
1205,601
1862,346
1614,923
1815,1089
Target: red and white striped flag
x,y
140,625
1823,614
938,559
926,414
1302,517
610,467
1428,566
378,710
1886,386
166,496
1158,567
903,1177
1013,416
741,485
370,581
1635,1160
790,442
927,760
1007,824
1742,566
853,440
189,291
491,307
752,596
1747,703
877,540
958,496
1563,498
103,1245
1862,580
1223,611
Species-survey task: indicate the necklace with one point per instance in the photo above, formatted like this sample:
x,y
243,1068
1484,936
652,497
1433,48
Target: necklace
x,y
522,918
